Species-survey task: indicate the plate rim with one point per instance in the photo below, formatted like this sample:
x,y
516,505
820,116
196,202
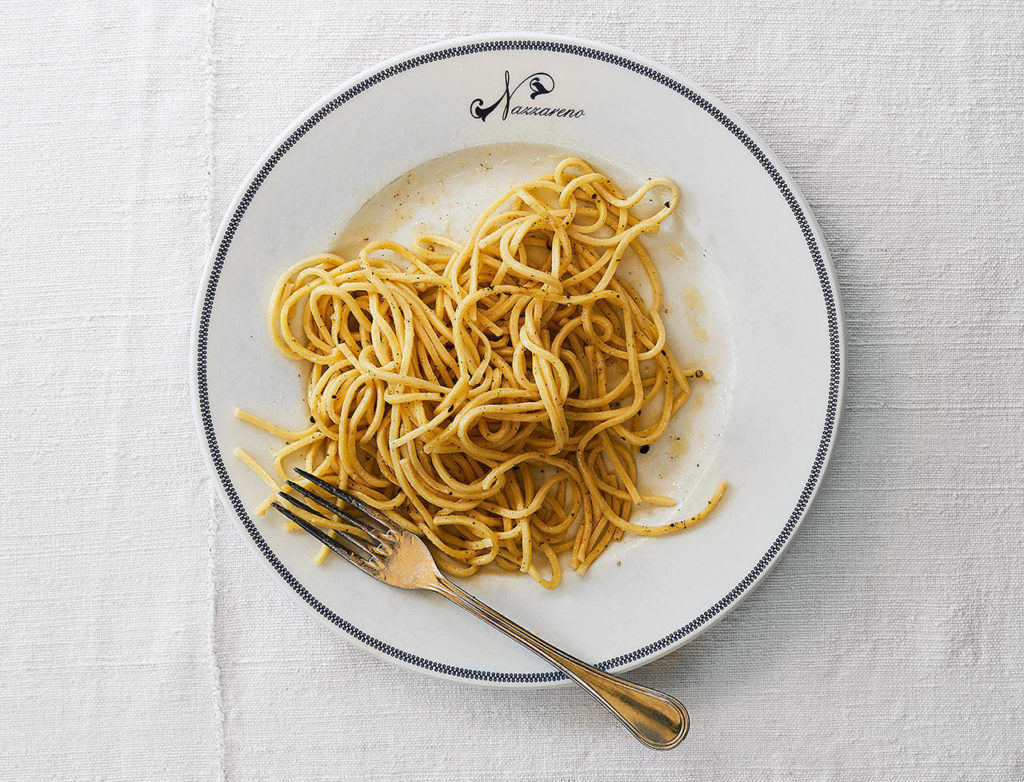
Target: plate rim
x,y
475,44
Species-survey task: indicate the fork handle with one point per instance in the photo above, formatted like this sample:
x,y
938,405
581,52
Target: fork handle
x,y
656,719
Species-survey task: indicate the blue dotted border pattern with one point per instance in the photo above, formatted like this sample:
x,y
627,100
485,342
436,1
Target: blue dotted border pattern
x,y
643,70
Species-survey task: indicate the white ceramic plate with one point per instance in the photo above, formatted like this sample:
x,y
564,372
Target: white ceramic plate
x,y
424,141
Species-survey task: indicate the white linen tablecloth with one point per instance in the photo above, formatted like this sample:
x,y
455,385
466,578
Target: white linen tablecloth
x,y
141,639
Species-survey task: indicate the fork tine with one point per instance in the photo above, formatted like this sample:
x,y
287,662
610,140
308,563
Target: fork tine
x,y
366,508
300,504
336,510
363,547
367,565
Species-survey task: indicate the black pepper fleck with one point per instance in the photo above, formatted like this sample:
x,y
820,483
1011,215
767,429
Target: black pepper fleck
x,y
644,448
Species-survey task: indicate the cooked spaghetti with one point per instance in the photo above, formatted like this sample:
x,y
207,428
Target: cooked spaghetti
x,y
490,395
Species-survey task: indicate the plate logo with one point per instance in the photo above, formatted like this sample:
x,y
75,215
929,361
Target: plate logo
x,y
539,83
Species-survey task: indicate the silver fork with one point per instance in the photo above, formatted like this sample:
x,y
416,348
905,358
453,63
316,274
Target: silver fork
x,y
401,559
